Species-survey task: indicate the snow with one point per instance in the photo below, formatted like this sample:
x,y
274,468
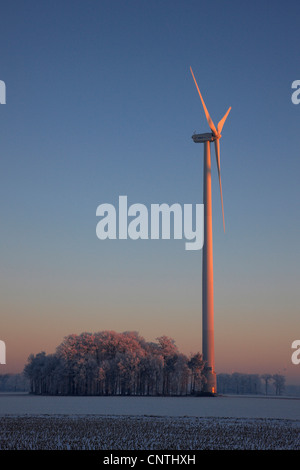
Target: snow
x,y
221,406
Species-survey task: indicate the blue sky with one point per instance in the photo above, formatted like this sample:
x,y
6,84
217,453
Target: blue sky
x,y
101,103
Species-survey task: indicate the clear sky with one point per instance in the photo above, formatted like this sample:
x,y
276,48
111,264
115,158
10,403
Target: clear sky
x,y
100,102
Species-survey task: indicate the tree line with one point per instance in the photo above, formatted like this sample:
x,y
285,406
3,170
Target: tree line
x,y
13,383
238,383
110,363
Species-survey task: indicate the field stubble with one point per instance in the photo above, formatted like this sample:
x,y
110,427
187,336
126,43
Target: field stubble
x,y
64,432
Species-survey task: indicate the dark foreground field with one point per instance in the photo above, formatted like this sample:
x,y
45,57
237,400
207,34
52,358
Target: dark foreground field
x,y
147,433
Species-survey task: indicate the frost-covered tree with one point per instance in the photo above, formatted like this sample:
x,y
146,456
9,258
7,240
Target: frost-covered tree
x,y
196,365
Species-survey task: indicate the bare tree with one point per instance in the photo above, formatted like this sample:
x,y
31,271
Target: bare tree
x,y
279,383
266,378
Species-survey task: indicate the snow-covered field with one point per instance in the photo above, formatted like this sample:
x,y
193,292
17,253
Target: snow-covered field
x,y
236,406
132,423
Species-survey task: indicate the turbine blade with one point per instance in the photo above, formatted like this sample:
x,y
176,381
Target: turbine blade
x,y
222,122
208,118
217,150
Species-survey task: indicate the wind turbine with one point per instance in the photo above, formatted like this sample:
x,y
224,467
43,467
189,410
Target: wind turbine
x,y
207,258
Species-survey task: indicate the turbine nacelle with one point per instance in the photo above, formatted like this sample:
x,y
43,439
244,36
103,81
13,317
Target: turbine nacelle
x,y
206,137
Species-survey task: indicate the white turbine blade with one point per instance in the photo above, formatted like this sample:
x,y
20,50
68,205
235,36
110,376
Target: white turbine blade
x,y
209,119
217,149
222,122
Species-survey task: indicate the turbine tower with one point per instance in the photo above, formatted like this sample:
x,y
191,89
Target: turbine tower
x,y
207,257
